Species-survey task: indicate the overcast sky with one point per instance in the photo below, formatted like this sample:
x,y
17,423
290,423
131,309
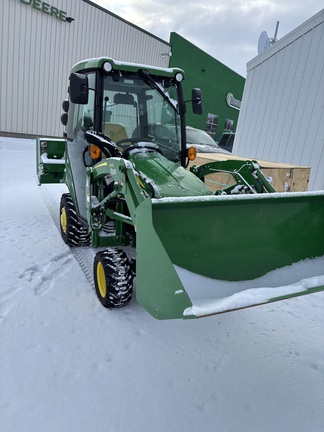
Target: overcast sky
x,y
227,30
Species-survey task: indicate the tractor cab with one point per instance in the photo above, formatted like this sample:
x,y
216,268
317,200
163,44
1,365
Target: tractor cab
x,y
122,109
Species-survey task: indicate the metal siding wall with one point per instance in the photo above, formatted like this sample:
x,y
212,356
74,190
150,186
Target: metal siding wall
x,y
281,105
38,51
282,114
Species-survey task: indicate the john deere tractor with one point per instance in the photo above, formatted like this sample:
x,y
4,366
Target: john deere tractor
x,y
131,196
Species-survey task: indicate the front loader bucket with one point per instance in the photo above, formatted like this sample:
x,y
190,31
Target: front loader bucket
x,y
192,251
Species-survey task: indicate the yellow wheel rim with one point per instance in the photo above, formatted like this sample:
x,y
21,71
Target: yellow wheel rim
x,y
101,280
63,220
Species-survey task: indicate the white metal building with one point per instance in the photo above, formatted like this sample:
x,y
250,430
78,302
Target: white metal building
x,y
41,41
282,112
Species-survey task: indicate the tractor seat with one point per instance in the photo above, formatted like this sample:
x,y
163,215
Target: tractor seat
x,y
115,131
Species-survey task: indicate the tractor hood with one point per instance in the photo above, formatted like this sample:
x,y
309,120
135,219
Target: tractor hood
x,y
162,178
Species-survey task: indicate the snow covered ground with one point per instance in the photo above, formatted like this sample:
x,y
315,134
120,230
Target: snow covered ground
x,y
67,364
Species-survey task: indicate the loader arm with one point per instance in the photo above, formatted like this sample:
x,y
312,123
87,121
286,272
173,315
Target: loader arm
x,y
126,193
247,176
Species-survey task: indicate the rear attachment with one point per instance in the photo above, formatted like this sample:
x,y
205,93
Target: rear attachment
x,y
223,239
50,160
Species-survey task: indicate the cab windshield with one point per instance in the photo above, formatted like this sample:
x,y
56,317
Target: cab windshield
x,y
139,109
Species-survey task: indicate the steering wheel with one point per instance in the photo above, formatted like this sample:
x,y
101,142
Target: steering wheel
x,y
127,149
130,140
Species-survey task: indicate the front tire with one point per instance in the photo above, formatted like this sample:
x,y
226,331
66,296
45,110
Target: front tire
x,y
73,233
113,278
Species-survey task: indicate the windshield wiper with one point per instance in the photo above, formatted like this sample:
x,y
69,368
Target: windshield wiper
x,y
155,86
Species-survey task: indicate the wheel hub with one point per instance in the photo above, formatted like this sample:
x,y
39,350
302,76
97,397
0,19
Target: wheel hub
x,y
101,279
63,220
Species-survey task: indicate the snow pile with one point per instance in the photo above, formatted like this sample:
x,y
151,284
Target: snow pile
x,y
214,296
67,364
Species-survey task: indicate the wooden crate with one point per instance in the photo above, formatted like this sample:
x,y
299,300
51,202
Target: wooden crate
x,y
283,177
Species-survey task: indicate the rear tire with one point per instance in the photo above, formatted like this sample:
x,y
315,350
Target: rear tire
x,y
113,278
73,233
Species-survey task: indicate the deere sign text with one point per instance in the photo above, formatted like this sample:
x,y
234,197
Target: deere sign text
x,y
46,8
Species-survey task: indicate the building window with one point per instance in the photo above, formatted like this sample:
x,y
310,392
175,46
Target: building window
x,y
228,125
211,125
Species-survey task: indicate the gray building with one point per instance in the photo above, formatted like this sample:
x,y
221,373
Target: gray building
x,y
282,116
41,41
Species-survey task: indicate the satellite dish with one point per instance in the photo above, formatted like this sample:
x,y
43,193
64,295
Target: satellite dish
x,y
265,41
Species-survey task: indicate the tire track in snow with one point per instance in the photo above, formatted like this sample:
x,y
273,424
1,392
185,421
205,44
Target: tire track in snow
x,y
40,277
43,276
83,255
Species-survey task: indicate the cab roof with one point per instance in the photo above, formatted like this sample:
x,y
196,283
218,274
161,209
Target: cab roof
x,y
97,63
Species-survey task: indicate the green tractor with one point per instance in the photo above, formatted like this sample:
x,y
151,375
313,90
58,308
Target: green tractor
x,y
124,160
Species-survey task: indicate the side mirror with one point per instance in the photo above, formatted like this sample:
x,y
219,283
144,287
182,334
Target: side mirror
x,y
196,97
79,89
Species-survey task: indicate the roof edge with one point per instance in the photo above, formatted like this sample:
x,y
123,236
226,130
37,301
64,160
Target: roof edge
x,y
91,3
290,37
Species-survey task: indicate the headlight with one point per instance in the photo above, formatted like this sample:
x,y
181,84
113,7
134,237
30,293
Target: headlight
x,y
107,67
179,77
